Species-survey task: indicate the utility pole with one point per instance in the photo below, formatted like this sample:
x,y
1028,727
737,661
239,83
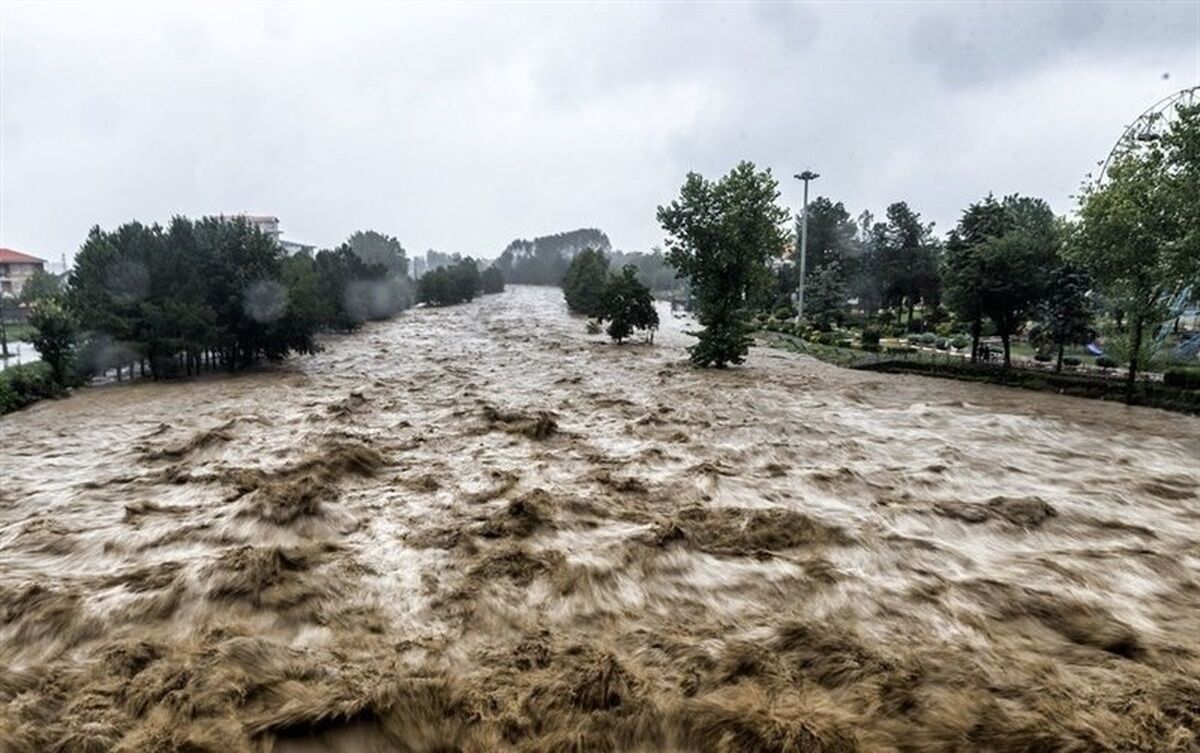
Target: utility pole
x,y
805,177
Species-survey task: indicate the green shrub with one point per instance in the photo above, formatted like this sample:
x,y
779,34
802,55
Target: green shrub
x,y
23,385
827,338
1042,357
593,327
959,342
1184,377
1071,361
945,329
914,338
844,343
943,344
784,312
899,350
1105,362
871,347
928,338
870,336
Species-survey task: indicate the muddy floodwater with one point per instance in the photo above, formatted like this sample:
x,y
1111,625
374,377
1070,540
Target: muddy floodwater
x,y
480,529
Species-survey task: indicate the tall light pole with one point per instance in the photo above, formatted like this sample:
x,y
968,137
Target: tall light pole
x,y
805,176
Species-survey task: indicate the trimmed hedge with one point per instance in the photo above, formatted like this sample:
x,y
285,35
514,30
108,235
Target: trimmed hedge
x,y
24,385
1183,377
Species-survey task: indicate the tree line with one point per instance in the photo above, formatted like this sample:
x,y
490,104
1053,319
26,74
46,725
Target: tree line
x,y
213,293
458,281
1008,267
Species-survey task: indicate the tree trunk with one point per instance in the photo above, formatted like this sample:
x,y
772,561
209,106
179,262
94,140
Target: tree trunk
x,y
1004,338
1133,357
911,305
1058,366
976,330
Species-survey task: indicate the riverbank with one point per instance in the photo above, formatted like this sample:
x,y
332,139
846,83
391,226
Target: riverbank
x,y
1093,384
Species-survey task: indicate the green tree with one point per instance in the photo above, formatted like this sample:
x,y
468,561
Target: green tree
x,y
54,333
583,282
492,280
825,295
906,260
41,284
997,264
626,304
1065,314
1139,231
962,270
1015,266
720,236
375,248
448,285
832,234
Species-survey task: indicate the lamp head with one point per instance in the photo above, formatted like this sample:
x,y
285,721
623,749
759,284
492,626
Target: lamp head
x,y
808,175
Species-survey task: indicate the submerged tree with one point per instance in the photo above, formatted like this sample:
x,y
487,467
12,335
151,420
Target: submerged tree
x,y
456,283
626,304
720,236
583,282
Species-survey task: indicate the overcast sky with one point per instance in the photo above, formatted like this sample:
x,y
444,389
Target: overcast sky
x,y
461,127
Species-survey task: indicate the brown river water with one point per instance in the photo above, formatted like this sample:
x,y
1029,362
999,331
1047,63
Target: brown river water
x,y
480,529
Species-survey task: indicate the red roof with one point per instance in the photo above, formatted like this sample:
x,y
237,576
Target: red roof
x,y
8,256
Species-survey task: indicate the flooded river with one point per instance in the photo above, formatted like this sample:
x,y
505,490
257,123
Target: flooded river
x,y
480,529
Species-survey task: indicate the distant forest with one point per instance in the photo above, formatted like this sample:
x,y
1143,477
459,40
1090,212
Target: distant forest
x,y
544,260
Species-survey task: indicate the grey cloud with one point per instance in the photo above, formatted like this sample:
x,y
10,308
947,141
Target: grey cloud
x,y
462,126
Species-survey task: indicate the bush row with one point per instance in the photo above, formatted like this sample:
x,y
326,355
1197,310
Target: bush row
x,y
22,385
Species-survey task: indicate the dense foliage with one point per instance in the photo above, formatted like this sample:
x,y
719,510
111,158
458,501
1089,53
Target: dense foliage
x,y
584,280
41,284
544,260
998,263
216,292
54,335
720,235
455,283
26,384
626,304
1139,231
492,280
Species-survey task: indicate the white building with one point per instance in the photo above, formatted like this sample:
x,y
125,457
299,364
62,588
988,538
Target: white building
x,y
268,225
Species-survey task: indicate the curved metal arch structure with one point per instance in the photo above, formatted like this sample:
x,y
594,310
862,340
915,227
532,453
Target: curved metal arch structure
x,y
1150,125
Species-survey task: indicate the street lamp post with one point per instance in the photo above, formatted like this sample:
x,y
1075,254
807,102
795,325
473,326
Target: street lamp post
x,y
805,176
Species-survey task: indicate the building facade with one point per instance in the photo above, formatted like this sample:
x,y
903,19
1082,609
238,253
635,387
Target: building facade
x,y
15,269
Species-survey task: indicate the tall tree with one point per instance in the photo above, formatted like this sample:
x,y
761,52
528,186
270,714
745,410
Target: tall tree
x,y
375,248
583,282
831,233
1139,230
720,236
1015,266
962,270
906,259
1065,314
54,333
